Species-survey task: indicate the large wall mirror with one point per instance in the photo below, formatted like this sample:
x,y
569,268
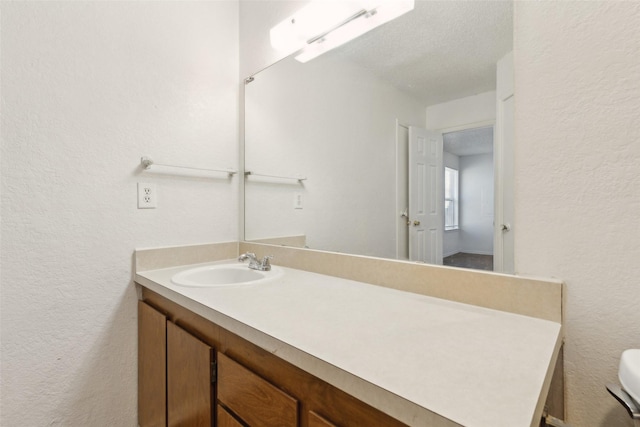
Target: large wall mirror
x,y
384,146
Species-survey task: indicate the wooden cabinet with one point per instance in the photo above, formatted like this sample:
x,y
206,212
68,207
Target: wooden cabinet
x,y
254,400
225,419
189,385
253,387
174,374
152,367
316,420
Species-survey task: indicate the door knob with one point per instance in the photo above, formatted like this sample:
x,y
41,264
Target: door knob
x,y
505,227
416,223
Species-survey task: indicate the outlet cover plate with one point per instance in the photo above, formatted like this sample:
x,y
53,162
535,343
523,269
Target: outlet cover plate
x,y
147,196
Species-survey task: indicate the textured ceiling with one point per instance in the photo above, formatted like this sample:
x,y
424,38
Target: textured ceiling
x,y
442,50
469,142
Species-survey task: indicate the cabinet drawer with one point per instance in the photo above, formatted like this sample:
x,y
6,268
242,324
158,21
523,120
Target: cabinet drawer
x,y
256,401
225,419
316,420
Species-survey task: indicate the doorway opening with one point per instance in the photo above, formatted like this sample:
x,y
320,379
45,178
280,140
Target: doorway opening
x,y
469,199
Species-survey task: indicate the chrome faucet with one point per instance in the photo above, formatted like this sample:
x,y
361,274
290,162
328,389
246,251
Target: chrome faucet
x,y
254,264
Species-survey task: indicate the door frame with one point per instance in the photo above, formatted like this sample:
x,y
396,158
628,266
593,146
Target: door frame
x,y
473,125
402,242
504,169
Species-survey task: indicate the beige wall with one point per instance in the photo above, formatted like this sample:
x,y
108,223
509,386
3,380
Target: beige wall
x,y
578,183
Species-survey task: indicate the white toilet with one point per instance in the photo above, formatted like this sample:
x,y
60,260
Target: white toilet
x,y
629,375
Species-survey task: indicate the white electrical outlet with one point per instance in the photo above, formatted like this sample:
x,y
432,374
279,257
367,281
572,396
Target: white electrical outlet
x,y
297,201
147,196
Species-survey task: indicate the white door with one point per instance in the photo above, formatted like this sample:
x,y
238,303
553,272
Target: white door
x,y
426,217
503,247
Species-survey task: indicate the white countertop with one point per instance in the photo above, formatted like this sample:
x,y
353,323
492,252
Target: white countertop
x,y
423,360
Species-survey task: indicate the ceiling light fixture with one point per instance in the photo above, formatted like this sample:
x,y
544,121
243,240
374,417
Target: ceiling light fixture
x,y
322,26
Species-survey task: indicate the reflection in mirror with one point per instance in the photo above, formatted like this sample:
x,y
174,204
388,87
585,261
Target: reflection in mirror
x,y
354,122
469,202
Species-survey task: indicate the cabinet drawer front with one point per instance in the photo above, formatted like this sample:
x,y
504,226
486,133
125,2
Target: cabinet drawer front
x,y
316,420
252,398
225,419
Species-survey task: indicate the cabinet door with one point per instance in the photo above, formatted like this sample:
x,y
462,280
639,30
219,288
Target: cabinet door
x,y
189,389
256,401
225,419
152,380
316,420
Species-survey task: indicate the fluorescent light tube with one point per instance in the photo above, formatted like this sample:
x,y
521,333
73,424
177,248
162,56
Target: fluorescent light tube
x,y
315,19
385,12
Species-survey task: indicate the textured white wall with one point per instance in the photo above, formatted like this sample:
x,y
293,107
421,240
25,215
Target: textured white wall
x,y
87,89
476,204
578,183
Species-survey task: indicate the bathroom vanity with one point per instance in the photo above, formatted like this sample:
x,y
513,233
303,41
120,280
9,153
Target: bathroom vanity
x,y
310,349
203,360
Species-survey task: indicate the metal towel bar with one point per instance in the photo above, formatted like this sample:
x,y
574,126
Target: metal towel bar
x,y
297,178
148,163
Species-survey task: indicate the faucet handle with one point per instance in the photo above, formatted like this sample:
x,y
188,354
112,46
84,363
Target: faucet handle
x,y
266,262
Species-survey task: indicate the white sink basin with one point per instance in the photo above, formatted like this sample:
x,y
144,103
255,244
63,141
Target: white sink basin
x,y
223,275
629,373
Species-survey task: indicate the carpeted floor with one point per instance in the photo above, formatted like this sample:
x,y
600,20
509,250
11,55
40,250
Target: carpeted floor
x,y
464,260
